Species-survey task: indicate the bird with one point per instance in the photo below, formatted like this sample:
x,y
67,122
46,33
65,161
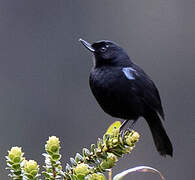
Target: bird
x,y
123,90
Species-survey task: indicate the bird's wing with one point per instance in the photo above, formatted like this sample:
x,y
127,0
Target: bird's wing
x,y
144,88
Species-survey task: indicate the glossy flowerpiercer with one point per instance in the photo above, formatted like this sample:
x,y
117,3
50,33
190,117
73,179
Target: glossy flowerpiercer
x,y
125,91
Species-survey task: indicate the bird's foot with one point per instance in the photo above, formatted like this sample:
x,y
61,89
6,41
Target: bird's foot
x,y
126,131
123,134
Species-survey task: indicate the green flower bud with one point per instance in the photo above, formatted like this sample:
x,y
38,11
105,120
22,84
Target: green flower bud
x,y
115,140
81,170
128,141
131,138
128,149
53,144
109,162
95,176
105,149
135,136
15,154
31,167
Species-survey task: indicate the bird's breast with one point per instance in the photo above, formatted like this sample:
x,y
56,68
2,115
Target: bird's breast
x,y
104,78
112,90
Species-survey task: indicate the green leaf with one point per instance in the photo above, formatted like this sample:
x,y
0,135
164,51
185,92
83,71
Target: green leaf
x,y
68,167
99,143
17,173
93,148
16,166
78,158
56,157
86,152
16,160
138,169
73,177
29,176
73,162
46,174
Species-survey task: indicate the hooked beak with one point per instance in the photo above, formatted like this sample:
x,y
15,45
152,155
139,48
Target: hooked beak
x,y
87,45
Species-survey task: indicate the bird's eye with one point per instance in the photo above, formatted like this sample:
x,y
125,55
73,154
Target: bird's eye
x,y
103,49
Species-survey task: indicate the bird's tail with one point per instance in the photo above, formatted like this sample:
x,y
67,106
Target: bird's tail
x,y
161,140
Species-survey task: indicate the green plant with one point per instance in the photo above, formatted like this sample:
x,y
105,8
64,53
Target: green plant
x,y
89,166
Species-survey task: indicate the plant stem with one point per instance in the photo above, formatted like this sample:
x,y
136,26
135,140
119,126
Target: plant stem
x,y
54,172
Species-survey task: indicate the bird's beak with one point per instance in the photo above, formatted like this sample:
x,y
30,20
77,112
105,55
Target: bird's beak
x,y
87,45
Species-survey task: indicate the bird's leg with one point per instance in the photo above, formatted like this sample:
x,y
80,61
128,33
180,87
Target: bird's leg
x,y
122,130
130,128
123,124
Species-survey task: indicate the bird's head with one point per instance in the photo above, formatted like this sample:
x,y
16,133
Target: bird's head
x,y
107,53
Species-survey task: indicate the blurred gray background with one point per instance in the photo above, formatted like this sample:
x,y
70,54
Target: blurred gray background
x,y
44,73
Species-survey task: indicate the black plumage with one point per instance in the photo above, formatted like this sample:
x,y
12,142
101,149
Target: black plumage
x,y
125,91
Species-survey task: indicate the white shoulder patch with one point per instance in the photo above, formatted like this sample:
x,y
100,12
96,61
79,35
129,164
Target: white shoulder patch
x,y
129,72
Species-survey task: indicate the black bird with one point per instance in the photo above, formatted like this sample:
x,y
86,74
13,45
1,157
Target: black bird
x,y
125,91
